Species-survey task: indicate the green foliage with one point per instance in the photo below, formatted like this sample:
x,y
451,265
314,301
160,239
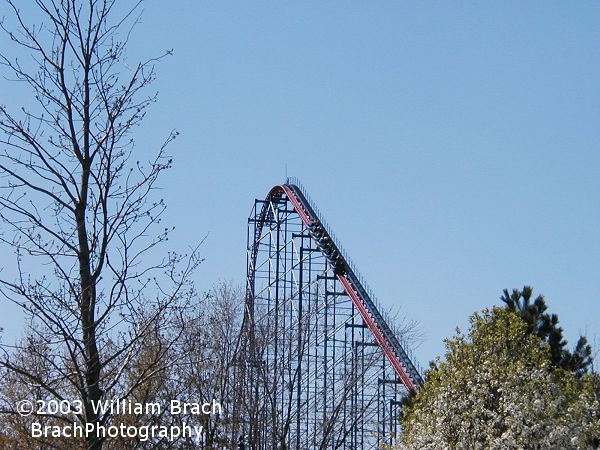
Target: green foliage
x,y
545,326
498,389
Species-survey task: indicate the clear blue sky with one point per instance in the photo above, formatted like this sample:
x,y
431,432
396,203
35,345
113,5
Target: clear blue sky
x,y
454,147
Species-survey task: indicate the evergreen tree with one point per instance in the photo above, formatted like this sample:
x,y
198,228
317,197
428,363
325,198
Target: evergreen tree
x,y
545,326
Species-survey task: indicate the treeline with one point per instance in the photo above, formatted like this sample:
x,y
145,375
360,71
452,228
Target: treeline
x,y
191,359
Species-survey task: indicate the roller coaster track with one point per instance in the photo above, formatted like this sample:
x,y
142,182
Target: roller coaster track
x,y
398,357
326,325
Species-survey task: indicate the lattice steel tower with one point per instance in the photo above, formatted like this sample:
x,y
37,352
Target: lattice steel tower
x,y
322,366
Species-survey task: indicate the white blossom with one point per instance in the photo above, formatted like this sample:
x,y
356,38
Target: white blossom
x,y
496,389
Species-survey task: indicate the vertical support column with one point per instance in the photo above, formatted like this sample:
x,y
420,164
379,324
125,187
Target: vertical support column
x,y
299,349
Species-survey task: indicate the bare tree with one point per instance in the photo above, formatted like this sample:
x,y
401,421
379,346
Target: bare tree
x,y
208,354
15,429
77,205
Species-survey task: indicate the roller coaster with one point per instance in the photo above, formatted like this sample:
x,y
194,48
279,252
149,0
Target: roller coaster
x,y
324,366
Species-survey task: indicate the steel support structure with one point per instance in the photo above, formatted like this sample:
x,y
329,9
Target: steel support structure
x,y
322,366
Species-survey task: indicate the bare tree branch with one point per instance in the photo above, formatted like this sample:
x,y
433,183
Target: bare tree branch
x,y
79,212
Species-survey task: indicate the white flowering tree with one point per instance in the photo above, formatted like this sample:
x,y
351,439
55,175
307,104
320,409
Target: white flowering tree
x,y
497,389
